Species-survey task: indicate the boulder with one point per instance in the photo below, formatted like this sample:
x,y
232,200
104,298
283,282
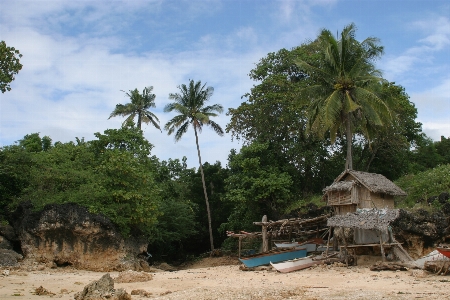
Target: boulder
x,y
102,289
68,235
9,258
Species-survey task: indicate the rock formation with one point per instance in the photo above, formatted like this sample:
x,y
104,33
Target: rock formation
x,y
67,234
102,289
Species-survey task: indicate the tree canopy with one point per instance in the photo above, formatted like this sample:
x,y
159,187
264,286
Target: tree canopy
x,y
343,91
9,65
138,107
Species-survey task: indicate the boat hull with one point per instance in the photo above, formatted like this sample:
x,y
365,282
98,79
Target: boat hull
x,y
295,265
267,258
444,251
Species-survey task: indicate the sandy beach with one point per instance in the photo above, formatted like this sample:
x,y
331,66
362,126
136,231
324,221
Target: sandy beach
x,y
220,278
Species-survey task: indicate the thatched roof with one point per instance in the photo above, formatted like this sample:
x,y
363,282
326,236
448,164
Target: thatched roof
x,y
376,183
365,219
341,186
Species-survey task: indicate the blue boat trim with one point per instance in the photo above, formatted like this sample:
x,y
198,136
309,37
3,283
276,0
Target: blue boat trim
x,y
266,258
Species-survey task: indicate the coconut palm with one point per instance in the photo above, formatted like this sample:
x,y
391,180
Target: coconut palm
x,y
342,92
190,104
139,106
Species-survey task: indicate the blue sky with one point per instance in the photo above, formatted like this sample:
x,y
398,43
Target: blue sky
x,y
79,55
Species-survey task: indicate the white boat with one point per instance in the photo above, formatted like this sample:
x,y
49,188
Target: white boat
x,y
296,264
310,246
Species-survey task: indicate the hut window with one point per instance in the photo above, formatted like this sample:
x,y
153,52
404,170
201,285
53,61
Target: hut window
x,y
382,196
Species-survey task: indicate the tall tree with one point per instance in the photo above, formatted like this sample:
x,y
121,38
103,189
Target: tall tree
x,y
9,65
190,104
139,106
343,94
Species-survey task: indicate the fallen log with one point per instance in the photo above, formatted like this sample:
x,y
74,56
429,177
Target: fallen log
x,y
389,267
438,267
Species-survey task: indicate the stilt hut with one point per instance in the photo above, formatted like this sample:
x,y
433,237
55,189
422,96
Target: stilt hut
x,y
356,189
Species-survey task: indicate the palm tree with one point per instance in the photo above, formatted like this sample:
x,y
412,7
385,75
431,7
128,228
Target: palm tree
x,y
342,89
190,104
139,105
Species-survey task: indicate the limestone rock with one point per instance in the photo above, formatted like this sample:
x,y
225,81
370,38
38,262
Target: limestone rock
x,y
68,235
133,276
9,258
102,289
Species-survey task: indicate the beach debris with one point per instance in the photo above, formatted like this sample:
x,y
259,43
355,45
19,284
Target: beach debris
x,y
142,293
102,289
41,291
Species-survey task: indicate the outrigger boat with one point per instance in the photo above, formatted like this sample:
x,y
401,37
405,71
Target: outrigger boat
x,y
444,250
295,264
266,258
310,245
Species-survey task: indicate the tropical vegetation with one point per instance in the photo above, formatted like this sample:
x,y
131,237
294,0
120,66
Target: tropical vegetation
x,y
138,107
190,104
293,125
9,65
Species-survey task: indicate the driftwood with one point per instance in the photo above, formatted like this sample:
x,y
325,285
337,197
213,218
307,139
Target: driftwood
x,y
292,222
392,266
438,267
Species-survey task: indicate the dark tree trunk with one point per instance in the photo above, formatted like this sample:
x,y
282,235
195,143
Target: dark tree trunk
x,y
348,133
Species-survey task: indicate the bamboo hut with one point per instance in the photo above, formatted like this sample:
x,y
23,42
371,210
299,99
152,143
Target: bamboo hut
x,y
356,189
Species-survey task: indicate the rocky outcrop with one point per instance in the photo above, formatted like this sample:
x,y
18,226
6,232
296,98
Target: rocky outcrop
x,y
67,234
420,231
9,258
102,289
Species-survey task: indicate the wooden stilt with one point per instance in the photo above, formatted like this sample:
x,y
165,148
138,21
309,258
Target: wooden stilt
x,y
240,244
383,258
328,241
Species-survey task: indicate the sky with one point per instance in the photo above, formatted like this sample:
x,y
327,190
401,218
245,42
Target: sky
x,y
79,57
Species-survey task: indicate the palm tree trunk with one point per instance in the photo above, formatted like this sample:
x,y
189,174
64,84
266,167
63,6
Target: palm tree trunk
x,y
348,133
204,191
139,120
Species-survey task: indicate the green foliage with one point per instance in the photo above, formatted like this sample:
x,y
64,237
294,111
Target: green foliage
x,y
112,176
126,192
423,185
34,143
128,139
343,90
301,204
388,151
273,114
139,106
15,164
9,65
190,104
177,220
256,185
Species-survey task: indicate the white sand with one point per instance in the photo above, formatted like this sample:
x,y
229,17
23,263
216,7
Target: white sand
x,y
228,282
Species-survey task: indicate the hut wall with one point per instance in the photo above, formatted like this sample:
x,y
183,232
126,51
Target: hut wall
x,y
382,201
375,200
339,198
344,209
365,199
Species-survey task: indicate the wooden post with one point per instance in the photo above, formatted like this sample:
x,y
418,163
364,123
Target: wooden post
x,y
383,259
265,242
328,242
240,242
345,245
